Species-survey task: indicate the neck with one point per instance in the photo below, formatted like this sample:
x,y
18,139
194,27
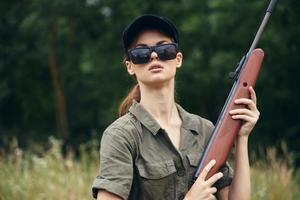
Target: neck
x,y
159,101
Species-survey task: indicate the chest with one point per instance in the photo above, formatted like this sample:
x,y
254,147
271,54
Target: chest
x,y
162,171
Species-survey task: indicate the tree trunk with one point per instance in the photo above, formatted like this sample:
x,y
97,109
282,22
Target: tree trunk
x,y
60,103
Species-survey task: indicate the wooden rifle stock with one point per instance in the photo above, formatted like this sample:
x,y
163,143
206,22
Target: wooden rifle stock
x,y
226,129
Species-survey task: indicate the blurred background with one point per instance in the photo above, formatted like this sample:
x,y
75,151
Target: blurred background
x,y
62,78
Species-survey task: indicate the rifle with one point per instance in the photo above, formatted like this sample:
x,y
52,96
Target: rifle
x,y
226,129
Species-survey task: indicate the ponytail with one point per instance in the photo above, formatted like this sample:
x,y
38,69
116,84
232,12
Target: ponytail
x,y
134,94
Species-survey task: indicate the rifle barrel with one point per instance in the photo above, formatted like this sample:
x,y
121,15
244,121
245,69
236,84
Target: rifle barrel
x,y
263,25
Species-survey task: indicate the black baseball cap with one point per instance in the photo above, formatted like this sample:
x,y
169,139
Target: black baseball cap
x,y
145,22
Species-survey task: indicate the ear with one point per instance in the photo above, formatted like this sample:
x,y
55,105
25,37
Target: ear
x,y
129,66
179,58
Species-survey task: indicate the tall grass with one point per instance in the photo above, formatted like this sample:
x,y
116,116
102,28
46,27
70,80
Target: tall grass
x,y
274,177
26,176
50,176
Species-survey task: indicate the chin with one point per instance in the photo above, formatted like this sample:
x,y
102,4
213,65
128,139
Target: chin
x,y
159,81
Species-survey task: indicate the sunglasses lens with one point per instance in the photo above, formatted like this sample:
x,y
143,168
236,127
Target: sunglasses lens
x,y
140,55
166,51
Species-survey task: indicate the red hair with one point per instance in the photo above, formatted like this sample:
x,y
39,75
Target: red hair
x,y
134,94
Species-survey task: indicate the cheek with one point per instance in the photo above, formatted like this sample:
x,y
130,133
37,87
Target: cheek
x,y
139,71
173,65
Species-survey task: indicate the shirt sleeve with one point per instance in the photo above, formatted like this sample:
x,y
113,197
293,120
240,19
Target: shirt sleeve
x,y
227,177
116,163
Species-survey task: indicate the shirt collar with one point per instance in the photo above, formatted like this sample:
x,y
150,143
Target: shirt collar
x,y
189,121
144,117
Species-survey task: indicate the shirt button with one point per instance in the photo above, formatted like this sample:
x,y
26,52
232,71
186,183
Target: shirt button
x,y
181,196
180,172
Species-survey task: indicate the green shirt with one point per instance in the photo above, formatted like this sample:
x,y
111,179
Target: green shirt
x,y
138,160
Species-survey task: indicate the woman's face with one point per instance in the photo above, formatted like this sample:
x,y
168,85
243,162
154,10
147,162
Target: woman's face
x,y
156,71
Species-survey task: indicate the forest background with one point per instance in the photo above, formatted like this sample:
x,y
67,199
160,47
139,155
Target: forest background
x,y
61,71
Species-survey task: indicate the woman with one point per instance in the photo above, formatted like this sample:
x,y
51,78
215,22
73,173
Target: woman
x,y
152,150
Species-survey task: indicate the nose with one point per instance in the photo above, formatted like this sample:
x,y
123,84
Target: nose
x,y
153,55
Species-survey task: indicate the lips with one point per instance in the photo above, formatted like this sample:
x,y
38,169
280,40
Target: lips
x,y
155,66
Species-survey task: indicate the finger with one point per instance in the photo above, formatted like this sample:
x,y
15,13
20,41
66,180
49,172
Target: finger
x,y
243,111
252,94
245,118
243,101
212,197
248,102
206,169
213,190
214,178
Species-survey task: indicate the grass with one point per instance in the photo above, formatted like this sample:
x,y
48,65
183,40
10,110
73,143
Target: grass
x,y
49,176
275,178
26,176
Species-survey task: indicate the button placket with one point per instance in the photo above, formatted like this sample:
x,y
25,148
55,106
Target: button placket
x,y
181,196
180,172
180,165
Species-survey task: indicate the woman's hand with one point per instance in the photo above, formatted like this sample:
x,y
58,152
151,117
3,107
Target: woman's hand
x,y
202,189
249,115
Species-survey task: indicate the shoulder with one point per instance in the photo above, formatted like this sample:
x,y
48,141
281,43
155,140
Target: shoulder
x,y
125,124
194,119
205,127
195,122
203,123
122,130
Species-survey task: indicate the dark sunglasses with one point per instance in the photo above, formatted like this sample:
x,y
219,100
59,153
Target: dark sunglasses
x,y
142,55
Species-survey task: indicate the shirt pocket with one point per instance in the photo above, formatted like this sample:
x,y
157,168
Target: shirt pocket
x,y
157,180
